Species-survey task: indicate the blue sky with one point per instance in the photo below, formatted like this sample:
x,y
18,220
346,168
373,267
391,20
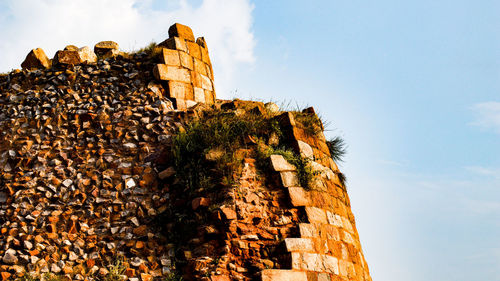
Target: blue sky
x,y
412,86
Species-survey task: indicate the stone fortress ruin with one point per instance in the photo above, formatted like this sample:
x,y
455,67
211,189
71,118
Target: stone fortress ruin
x,y
92,186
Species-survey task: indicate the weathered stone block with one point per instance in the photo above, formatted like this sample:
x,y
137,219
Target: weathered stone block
x,y
330,264
182,31
200,67
343,265
186,60
170,57
309,230
206,83
179,104
199,94
318,183
289,179
330,232
194,50
196,79
298,196
210,73
347,249
347,237
347,225
180,90
283,275
280,164
228,213
320,245
209,97
321,199
297,261
334,219
71,48
174,43
165,72
316,215
324,171
299,245
36,59
87,55
104,47
204,55
305,150
313,262
67,57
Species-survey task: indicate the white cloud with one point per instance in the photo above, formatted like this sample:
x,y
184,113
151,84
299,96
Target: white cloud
x,y
485,171
488,115
53,24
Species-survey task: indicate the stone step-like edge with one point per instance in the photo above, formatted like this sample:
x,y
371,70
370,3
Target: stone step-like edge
x,y
304,252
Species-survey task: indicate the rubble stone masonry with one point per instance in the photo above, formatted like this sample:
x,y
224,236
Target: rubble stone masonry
x,y
85,177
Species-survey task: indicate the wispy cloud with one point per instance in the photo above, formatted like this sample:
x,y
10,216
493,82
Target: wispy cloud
x,y
53,24
488,115
485,171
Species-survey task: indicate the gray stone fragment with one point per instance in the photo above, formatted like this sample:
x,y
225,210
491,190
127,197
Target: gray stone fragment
x,y
10,257
28,245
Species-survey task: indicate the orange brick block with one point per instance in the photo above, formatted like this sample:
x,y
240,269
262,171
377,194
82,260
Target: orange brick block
x,y
170,57
194,50
182,31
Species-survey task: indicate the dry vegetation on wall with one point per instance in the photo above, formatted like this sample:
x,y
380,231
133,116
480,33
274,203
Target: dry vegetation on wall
x,y
208,153
216,135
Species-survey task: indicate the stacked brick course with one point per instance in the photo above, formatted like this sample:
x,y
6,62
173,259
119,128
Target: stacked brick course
x,y
328,246
186,68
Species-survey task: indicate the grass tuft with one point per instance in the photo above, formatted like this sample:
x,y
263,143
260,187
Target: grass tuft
x,y
310,122
151,50
337,148
219,133
174,277
115,270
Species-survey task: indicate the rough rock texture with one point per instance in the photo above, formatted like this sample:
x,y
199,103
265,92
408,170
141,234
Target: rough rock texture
x,y
86,177
77,189
36,59
67,57
87,55
182,31
104,47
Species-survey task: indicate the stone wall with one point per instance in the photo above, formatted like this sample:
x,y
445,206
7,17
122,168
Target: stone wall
x,y
185,68
77,187
85,176
270,227
328,246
